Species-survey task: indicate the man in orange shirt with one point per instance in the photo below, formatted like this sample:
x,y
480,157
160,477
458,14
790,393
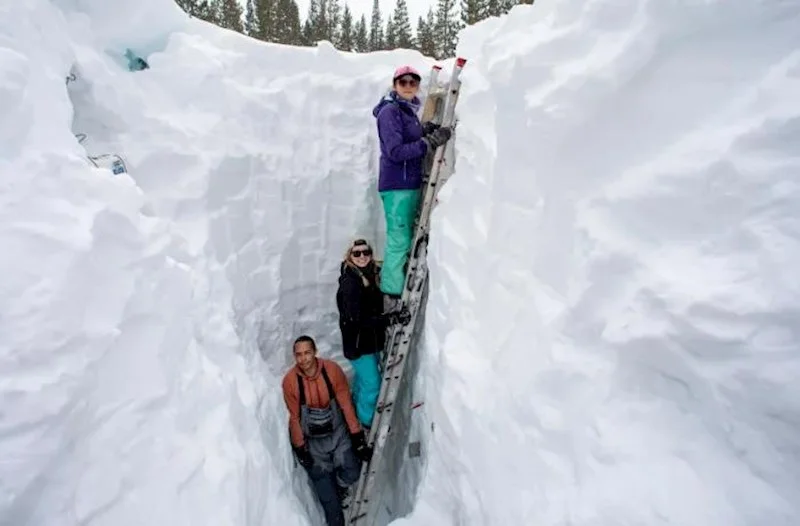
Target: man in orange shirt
x,y
323,428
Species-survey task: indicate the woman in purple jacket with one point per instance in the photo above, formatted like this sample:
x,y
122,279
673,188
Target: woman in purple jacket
x,y
404,143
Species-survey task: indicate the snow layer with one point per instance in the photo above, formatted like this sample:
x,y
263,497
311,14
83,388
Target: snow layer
x,y
612,323
146,319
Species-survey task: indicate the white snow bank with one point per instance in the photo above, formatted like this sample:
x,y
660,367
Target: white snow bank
x,y
146,319
613,316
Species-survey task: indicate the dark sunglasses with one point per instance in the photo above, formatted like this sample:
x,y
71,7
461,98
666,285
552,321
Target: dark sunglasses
x,y
408,82
358,253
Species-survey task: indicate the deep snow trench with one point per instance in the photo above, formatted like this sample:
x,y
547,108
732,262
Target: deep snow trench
x,y
611,336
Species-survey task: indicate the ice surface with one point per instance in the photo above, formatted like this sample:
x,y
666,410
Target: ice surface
x,y
611,334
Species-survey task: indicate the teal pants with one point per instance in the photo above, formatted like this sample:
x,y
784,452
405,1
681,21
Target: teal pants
x,y
366,386
400,210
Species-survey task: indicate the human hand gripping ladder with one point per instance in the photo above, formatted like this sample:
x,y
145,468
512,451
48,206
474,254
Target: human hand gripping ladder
x,y
362,510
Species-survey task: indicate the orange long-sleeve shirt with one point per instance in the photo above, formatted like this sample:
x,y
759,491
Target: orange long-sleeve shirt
x,y
317,396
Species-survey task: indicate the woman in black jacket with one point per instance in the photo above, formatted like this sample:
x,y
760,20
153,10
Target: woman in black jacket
x,y
363,325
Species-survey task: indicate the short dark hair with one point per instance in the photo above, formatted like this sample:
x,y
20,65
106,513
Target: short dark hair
x,y
305,338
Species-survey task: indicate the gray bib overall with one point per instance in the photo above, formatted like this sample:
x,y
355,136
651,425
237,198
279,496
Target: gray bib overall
x,y
325,431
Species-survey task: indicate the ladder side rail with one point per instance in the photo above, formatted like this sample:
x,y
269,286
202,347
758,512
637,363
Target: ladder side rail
x,y
385,504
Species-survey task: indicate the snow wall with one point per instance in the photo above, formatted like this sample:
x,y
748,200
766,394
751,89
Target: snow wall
x,y
147,320
611,334
612,324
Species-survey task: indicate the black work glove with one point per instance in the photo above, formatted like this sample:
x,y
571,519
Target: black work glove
x,y
429,127
438,137
402,316
303,456
360,448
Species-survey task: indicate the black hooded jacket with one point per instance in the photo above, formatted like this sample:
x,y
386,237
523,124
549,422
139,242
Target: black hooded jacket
x,y
360,309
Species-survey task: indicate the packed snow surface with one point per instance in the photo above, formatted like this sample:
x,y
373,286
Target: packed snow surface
x,y
611,336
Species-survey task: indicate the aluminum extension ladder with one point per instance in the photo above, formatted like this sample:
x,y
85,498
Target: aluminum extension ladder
x,y
364,507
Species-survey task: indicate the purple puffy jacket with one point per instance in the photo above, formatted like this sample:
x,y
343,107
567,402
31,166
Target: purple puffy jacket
x,y
402,147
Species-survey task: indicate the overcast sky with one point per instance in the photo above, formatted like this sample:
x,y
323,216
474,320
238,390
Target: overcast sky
x,y
416,8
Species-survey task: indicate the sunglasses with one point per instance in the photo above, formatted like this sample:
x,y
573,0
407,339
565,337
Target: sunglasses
x,y
359,253
407,81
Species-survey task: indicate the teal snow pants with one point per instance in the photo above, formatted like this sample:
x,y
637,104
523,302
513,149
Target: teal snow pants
x,y
400,209
366,386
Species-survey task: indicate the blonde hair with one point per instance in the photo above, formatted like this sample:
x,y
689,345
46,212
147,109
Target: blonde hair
x,y
348,260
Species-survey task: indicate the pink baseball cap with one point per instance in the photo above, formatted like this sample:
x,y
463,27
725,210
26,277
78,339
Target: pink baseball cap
x,y
406,70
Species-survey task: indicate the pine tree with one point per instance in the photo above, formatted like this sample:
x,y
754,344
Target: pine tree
x,y
426,41
186,5
276,11
376,28
319,24
402,27
473,11
214,12
333,21
447,28
287,23
346,35
229,15
361,38
500,7
495,7
265,12
251,19
312,30
430,22
203,9
306,37
208,10
390,40
421,29
293,23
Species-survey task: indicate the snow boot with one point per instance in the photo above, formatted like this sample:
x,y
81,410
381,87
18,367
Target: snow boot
x,y
391,303
344,495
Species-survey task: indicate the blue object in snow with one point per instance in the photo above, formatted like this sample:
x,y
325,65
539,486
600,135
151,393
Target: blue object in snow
x,y
118,167
135,63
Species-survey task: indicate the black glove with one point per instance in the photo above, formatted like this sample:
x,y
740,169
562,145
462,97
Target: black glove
x,y
303,456
402,316
429,127
438,137
360,448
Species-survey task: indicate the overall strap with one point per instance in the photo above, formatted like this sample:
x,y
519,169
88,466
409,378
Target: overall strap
x,y
328,383
302,392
